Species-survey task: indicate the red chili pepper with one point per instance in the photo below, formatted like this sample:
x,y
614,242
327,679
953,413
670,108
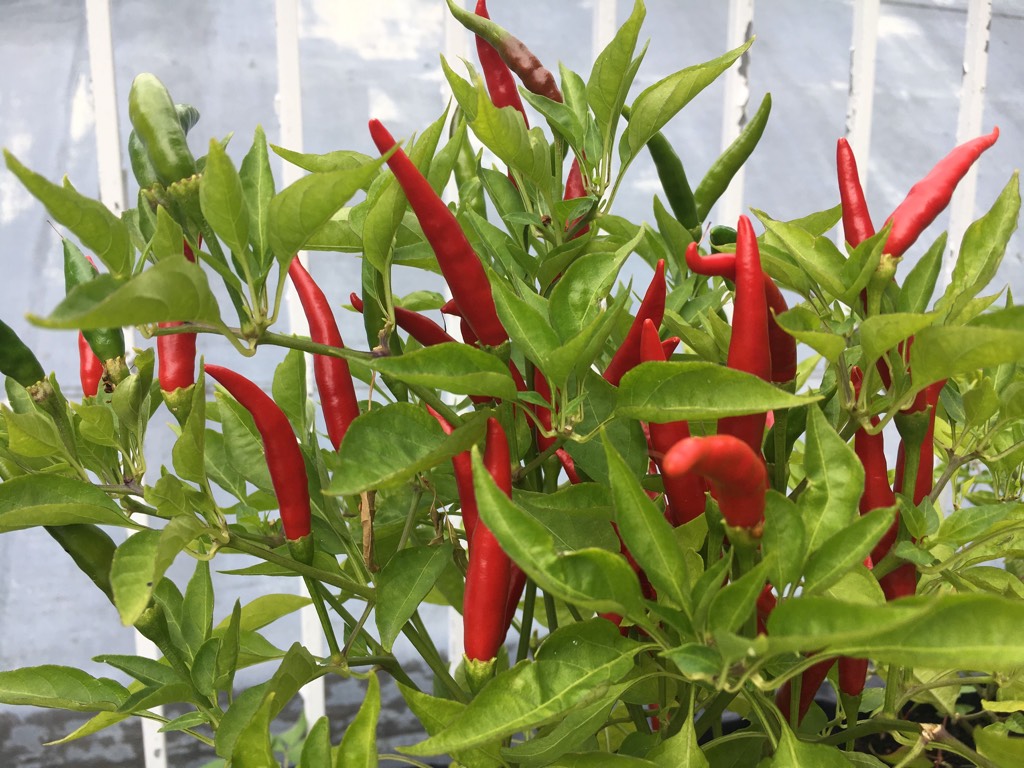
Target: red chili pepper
x,y
459,264
857,226
810,682
853,674
932,194
501,85
468,336
423,329
736,474
781,346
574,189
176,353
748,345
90,367
684,493
462,464
333,378
651,308
284,459
489,574
766,603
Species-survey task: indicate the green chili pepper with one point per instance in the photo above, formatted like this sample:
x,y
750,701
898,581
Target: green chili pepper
x,y
717,179
155,120
107,343
673,180
17,360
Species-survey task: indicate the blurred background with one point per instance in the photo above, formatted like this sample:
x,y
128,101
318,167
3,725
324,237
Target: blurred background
x,y
906,80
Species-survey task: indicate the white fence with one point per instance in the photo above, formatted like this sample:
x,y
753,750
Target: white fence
x,y
854,35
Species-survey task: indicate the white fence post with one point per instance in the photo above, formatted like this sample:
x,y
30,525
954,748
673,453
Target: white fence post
x,y
861,96
737,94
969,125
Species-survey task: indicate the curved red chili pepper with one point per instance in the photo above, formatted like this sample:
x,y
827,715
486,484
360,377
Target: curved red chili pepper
x,y
668,346
501,85
651,308
781,346
459,263
489,574
90,367
748,345
176,353
333,378
684,493
932,194
284,459
857,226
810,682
736,475
423,329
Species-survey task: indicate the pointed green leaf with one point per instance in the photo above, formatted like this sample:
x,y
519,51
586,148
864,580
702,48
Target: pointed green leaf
x,y
456,368
359,744
845,549
403,583
32,500
61,688
835,482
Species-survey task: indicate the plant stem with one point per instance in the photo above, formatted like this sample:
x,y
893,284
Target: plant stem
x,y
235,542
419,637
314,590
526,626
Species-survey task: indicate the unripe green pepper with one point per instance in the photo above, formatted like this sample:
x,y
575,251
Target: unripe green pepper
x,y
155,120
17,360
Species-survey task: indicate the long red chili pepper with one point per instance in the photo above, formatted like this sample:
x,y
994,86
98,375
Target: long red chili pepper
x,y
501,85
284,459
781,346
932,194
423,329
574,189
462,464
333,378
458,261
857,226
90,367
748,345
736,475
684,493
810,682
651,308
489,573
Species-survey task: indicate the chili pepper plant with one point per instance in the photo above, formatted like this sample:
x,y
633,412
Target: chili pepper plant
x,y
758,511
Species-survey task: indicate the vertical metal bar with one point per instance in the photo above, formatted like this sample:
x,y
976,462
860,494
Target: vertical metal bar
x,y
112,194
972,108
861,96
739,28
289,114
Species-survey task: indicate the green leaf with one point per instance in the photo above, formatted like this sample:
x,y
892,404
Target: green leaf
x,y
168,239
100,231
697,391
577,516
996,743
880,333
265,610
734,603
573,663
300,209
804,325
504,132
33,435
33,500
576,298
197,610
940,352
784,539
982,250
916,291
647,533
964,631
435,714
252,748
316,749
222,200
402,585
527,326
680,750
793,753
359,744
591,578
845,549
456,368
188,453
172,289
612,75
60,688
598,406
386,446
835,482
817,256
258,190
660,102
145,670
968,523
